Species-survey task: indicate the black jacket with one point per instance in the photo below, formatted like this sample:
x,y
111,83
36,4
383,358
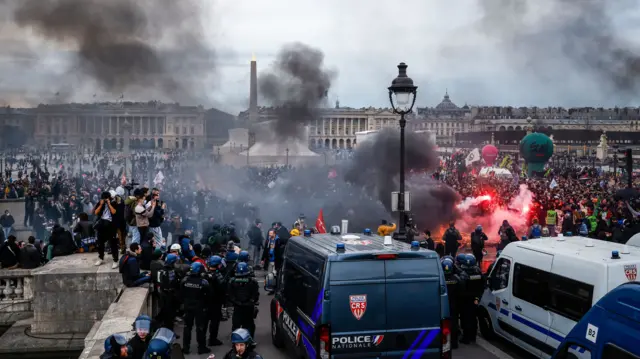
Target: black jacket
x,y
255,236
62,242
9,254
130,269
157,218
30,257
194,291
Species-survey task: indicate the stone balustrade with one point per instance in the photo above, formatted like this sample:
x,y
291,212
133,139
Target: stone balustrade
x,y
16,295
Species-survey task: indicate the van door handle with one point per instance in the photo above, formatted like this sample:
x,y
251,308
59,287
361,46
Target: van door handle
x,y
518,307
504,301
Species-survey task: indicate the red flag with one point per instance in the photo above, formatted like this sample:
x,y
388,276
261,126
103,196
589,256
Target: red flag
x,y
320,223
123,181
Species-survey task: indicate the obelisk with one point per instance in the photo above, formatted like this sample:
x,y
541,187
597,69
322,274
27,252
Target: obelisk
x,y
253,92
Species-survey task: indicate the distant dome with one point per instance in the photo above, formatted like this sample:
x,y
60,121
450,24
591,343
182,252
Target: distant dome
x,y
446,104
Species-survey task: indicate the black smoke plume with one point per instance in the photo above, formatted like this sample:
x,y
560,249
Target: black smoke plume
x,y
143,46
375,167
553,37
297,85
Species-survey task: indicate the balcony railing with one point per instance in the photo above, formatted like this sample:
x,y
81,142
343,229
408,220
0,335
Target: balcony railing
x,y
16,291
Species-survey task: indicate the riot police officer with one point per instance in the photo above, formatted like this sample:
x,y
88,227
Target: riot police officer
x,y
161,344
470,299
244,294
243,346
454,287
115,346
168,284
244,257
218,296
195,291
141,338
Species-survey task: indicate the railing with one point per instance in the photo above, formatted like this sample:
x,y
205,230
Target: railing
x,y
16,292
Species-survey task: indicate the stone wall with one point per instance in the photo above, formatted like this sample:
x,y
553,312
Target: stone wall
x,y
131,303
71,294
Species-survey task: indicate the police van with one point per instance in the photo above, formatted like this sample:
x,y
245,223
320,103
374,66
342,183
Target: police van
x,y
610,329
360,296
539,289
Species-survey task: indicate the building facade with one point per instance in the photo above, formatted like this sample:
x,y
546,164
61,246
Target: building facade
x,y
102,125
16,126
336,128
443,120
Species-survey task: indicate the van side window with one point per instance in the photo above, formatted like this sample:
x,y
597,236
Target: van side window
x,y
613,351
574,351
531,284
570,298
500,274
300,289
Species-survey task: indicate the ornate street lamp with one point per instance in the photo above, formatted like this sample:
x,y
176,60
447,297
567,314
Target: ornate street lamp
x,y
402,95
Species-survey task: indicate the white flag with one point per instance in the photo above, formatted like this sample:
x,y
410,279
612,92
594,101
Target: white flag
x,y
159,178
553,184
473,156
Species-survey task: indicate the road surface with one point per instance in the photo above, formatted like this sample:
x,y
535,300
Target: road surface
x,y
268,351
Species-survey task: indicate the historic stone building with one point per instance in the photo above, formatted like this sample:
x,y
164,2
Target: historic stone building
x,y
102,125
443,121
337,127
16,126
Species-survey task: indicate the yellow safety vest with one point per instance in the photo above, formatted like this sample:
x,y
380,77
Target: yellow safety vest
x,y
551,217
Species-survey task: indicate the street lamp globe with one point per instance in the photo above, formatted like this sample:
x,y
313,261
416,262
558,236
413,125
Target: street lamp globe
x,y
402,92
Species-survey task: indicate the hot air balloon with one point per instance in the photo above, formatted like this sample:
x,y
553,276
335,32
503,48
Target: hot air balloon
x,y
489,154
536,149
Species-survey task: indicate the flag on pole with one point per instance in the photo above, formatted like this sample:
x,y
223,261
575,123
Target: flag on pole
x,y
473,156
553,184
159,178
320,223
123,181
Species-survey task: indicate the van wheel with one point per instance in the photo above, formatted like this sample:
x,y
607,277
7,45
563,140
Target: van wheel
x,y
485,325
276,336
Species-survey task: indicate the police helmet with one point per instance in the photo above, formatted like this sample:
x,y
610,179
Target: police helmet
x,y
197,268
244,256
461,258
171,259
524,238
160,345
335,229
142,325
469,260
176,247
242,269
478,228
367,231
214,261
241,335
447,265
114,343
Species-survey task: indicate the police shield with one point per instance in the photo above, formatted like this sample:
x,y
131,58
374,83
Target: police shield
x,y
161,344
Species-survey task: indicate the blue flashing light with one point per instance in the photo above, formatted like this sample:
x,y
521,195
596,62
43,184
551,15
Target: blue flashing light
x,y
367,231
615,255
307,233
340,246
569,234
415,244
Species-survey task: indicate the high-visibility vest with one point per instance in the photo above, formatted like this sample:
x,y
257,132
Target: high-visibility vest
x,y
551,217
593,222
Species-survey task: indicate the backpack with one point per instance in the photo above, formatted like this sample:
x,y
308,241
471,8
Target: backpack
x,y
536,232
130,214
123,262
167,280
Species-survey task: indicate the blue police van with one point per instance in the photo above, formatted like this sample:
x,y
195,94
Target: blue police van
x,y
360,296
609,330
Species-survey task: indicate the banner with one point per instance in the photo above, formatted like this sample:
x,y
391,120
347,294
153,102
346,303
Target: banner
x,y
473,156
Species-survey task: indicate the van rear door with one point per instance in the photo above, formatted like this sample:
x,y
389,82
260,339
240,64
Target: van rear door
x,y
414,312
357,307
385,307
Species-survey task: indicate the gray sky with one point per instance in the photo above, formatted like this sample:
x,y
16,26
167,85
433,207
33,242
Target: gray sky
x,y
446,44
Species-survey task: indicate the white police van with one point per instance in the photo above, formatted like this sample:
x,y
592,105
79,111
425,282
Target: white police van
x,y
539,289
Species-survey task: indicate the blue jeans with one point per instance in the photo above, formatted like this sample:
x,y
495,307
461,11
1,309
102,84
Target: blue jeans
x,y
135,234
7,231
142,280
